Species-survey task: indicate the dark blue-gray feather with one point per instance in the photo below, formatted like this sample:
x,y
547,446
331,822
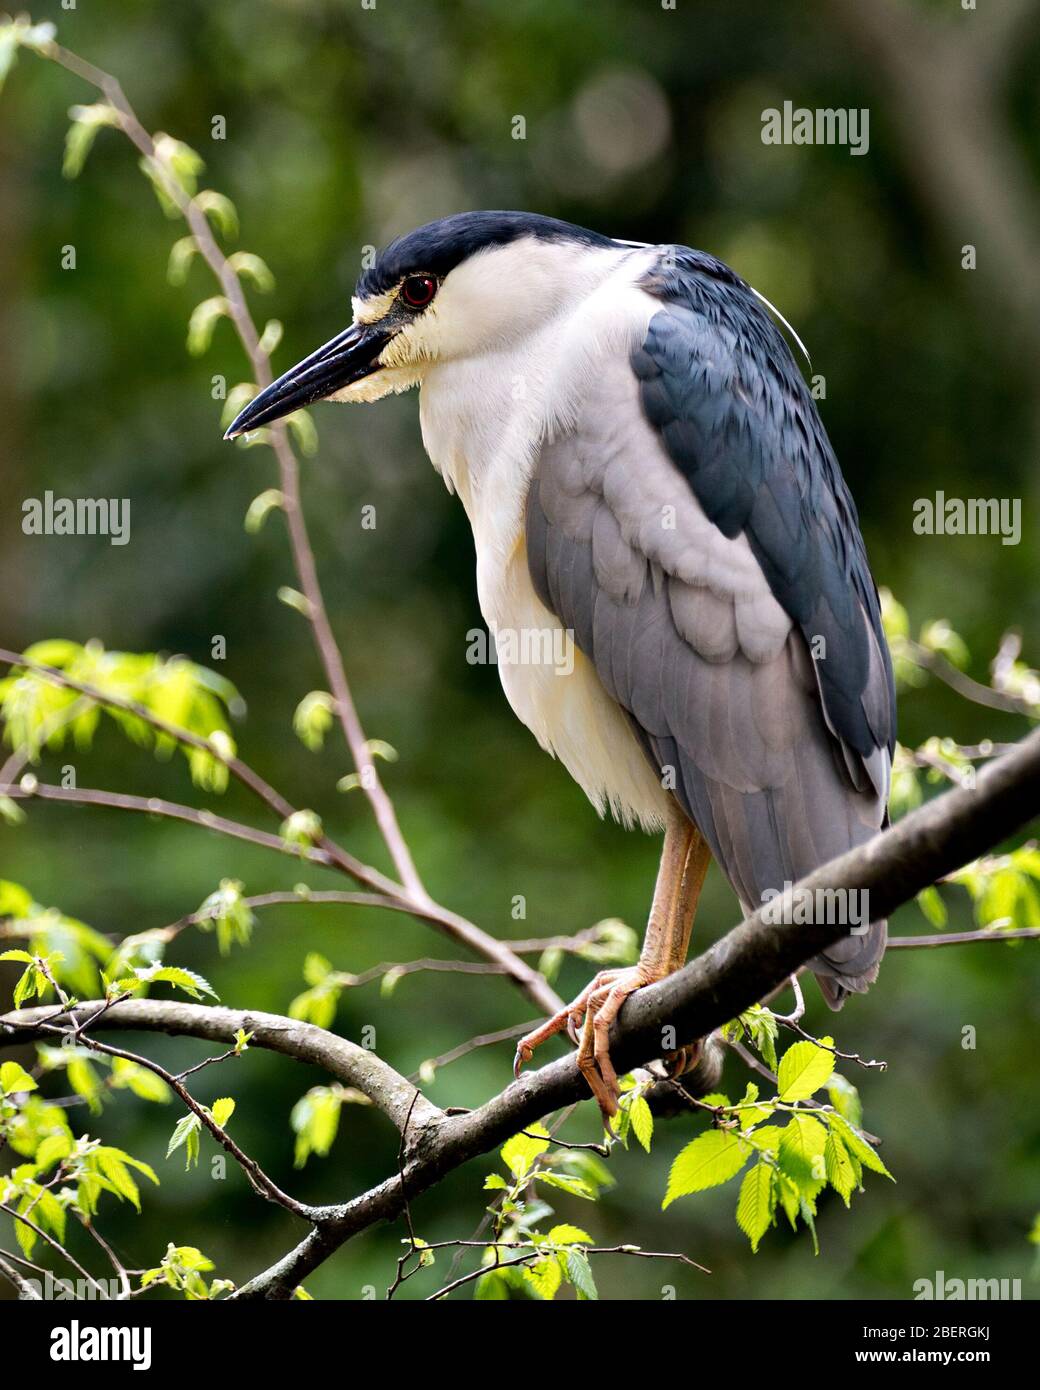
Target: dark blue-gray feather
x,y
704,637
734,413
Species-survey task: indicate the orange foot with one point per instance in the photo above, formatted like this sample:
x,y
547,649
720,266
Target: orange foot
x,y
594,1010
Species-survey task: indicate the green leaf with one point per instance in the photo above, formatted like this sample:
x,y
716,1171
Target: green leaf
x,y
802,1142
24,1234
566,1182
15,1078
844,1097
492,1287
788,1196
176,975
229,913
181,255
766,1138
84,1081
261,505
302,828
220,209
755,1203
313,719
840,1173
858,1146
315,1122
52,1149
244,263
520,1152
86,122
579,1272
8,50
803,1069
270,337
929,900
495,1182
15,901
302,427
186,1133
707,1161
142,1083
203,320
316,968
809,1217
545,1277
222,1110
568,1235
749,1113
762,1028
115,1165
642,1121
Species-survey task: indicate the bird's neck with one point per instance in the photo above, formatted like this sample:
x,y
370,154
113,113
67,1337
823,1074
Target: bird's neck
x,y
486,416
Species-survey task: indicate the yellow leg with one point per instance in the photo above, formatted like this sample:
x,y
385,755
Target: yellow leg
x,y
684,861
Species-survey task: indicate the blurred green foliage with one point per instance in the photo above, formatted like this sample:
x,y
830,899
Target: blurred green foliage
x,y
345,126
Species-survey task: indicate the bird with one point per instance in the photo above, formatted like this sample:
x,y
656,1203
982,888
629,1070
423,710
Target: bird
x,y
653,496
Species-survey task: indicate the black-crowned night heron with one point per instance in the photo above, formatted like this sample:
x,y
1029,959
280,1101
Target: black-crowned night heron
x,y
646,476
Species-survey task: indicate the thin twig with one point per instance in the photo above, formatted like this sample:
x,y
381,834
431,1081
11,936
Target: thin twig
x,y
796,1027
303,554
27,789
55,1245
21,1285
120,1272
411,889
964,938
753,1062
536,1253
964,685
258,1179
517,1030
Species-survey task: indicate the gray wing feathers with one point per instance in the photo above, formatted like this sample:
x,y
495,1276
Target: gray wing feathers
x,y
687,637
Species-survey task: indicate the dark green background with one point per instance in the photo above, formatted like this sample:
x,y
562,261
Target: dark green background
x,y
345,127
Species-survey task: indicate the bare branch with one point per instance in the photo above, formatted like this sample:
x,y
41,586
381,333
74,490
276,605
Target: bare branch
x,y
738,970
735,973
303,554
27,789
353,1065
531,981
971,689
965,938
99,1289
21,1285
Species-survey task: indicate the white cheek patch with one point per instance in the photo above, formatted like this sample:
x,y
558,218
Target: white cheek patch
x,y
386,382
375,308
415,345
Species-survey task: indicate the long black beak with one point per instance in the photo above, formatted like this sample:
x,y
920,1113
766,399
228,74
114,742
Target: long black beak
x,y
349,356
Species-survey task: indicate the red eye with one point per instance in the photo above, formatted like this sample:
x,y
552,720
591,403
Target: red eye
x,y
418,290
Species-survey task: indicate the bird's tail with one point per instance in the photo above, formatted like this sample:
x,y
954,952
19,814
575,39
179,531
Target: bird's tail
x,y
850,966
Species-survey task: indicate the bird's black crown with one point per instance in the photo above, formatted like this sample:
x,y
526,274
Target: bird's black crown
x,y
439,247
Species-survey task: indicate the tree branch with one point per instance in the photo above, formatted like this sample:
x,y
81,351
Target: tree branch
x,y
740,969
27,789
303,554
411,890
354,1066
965,938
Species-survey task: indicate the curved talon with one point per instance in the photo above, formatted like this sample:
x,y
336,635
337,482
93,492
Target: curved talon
x,y
682,1060
586,1021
